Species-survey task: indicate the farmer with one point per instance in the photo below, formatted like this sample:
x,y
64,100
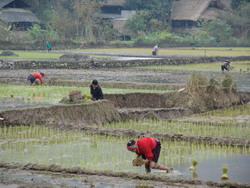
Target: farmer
x,y
155,50
34,76
225,66
96,91
48,46
149,148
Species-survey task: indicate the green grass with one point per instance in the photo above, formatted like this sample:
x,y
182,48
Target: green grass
x,y
181,51
232,111
209,51
56,93
236,66
33,55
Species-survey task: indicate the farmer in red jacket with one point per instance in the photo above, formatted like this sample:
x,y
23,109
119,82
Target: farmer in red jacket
x,y
36,75
149,148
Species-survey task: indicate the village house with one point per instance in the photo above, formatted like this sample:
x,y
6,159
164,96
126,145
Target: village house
x,y
18,14
113,10
187,14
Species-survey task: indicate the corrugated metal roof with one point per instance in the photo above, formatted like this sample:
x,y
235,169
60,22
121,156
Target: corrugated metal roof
x,y
11,15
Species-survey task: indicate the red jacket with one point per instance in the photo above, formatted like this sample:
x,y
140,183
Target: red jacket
x,y
37,75
145,146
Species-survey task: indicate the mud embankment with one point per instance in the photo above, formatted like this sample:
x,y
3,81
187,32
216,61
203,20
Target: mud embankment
x,y
198,102
153,113
101,63
74,116
89,117
135,176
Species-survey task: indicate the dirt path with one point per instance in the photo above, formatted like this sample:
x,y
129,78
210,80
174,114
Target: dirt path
x,y
15,178
66,176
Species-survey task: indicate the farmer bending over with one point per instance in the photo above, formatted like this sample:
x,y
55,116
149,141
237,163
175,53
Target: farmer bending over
x,y
225,65
149,148
34,76
155,50
96,91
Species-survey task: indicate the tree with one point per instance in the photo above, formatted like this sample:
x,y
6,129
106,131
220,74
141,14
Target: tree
x,y
240,20
137,23
159,9
217,29
236,3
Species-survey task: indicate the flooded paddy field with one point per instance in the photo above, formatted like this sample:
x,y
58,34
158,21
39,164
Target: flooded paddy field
x,y
47,146
48,155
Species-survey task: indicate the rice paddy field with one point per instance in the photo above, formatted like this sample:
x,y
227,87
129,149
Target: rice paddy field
x,y
40,144
181,51
55,54
237,66
16,96
43,145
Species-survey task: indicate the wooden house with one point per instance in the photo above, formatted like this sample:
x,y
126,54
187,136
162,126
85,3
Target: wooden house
x,y
113,10
18,14
187,13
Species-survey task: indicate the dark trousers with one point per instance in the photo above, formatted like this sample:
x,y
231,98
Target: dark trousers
x,y
223,67
156,151
31,78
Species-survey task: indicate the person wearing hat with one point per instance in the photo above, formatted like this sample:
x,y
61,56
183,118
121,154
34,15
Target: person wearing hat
x,y
34,76
155,50
96,91
225,65
149,149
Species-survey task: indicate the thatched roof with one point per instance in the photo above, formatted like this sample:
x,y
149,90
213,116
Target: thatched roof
x,y
113,3
189,10
4,3
211,13
11,15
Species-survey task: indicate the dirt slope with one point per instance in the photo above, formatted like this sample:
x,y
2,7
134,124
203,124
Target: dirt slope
x,y
74,115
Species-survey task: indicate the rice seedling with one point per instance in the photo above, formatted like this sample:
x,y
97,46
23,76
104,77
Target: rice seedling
x,y
227,112
224,173
239,66
45,145
41,94
182,127
33,55
193,167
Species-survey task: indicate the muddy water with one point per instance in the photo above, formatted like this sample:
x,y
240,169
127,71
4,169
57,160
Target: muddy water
x,y
8,103
48,146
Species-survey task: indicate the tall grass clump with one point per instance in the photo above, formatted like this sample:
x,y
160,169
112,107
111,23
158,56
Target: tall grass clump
x,y
203,95
196,82
228,84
